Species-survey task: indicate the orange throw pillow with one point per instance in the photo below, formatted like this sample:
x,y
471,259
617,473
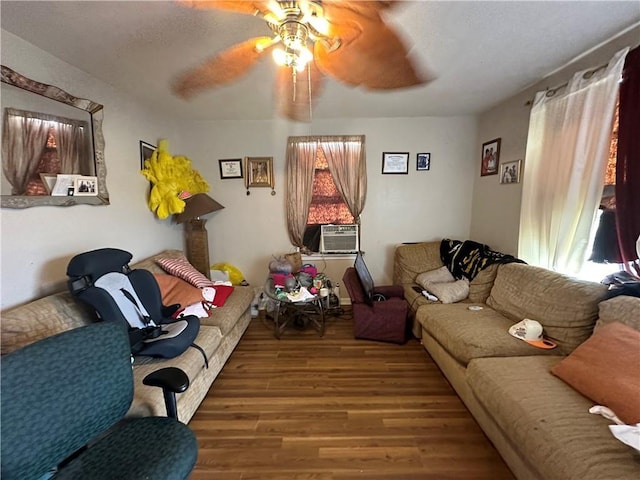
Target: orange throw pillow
x,y
176,290
606,369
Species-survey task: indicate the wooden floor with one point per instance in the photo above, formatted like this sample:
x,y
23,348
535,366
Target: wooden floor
x,y
335,408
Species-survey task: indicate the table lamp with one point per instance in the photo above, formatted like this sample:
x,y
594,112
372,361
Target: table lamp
x,y
195,232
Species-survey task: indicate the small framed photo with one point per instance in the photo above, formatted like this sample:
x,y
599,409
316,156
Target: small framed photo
x,y
85,186
395,163
423,161
65,185
230,168
49,181
510,172
490,157
146,150
259,171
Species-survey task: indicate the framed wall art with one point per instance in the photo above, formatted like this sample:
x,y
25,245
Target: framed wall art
x,y
395,163
510,172
490,157
423,161
258,173
85,186
146,150
230,168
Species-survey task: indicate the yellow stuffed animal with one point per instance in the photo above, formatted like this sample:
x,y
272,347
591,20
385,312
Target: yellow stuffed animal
x,y
170,177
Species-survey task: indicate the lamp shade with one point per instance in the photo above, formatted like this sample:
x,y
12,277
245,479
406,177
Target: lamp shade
x,y
196,206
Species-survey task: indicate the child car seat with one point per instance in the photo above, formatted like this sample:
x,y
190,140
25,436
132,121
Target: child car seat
x,y
102,278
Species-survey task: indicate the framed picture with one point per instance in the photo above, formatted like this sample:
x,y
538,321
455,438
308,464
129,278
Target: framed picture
x,y
490,157
85,186
510,172
395,162
259,171
230,168
49,181
146,150
65,185
423,161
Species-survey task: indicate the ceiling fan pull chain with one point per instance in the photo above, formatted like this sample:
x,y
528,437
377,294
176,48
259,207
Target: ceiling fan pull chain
x,y
309,91
295,82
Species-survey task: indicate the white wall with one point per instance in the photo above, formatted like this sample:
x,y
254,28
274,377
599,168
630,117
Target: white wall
x,y
423,205
496,207
37,243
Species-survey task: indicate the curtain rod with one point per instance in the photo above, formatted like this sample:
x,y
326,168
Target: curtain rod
x,y
550,92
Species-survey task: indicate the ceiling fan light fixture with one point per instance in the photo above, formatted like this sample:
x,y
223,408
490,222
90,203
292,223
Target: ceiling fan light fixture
x,y
293,58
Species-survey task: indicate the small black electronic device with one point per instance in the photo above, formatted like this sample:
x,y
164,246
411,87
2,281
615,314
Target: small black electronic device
x,y
417,289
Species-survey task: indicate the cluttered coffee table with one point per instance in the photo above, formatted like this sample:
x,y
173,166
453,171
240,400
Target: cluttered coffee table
x,y
298,308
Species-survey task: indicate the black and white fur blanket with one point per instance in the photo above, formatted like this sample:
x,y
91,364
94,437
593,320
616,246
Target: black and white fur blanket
x,y
467,258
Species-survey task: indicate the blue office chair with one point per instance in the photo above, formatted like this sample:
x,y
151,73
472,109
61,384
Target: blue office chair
x,y
63,402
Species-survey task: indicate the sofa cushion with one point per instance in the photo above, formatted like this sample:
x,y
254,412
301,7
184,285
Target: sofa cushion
x,y
547,419
412,259
567,308
623,309
480,286
606,369
42,318
234,307
468,334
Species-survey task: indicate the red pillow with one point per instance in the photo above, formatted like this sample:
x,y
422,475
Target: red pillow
x,y
222,293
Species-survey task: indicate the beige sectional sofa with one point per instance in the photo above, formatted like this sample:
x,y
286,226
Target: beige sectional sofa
x,y
538,423
218,336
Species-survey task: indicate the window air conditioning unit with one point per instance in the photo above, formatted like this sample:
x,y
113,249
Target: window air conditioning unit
x,y
338,238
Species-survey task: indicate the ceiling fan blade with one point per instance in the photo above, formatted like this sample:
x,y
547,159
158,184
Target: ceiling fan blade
x,y
248,7
369,54
296,95
365,8
223,68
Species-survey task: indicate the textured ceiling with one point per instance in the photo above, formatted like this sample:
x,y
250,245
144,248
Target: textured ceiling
x,y
480,52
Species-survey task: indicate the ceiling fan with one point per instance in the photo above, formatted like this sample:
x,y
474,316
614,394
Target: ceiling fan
x,y
350,41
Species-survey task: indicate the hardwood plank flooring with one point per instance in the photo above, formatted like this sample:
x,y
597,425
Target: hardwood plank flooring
x,y
336,408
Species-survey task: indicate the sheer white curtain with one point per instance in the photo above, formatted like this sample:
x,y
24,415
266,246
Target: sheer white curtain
x,y
71,145
567,151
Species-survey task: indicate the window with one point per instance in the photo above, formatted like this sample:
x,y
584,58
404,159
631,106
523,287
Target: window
x,y
327,205
326,183
565,173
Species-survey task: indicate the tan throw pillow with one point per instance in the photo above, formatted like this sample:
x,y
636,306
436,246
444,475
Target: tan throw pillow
x,y
180,267
606,369
439,275
176,290
450,292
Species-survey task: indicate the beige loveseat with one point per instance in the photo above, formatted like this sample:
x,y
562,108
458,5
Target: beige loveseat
x,y
538,423
218,336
